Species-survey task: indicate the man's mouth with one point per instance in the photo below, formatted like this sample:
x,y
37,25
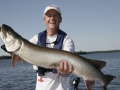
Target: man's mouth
x,y
52,22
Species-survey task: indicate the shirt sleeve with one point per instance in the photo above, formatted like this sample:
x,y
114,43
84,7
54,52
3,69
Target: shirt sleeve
x,y
34,39
68,44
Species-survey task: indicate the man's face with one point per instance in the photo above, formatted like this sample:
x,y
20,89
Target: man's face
x,y
52,19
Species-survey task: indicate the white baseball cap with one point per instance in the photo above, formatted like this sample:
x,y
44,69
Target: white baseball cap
x,y
52,7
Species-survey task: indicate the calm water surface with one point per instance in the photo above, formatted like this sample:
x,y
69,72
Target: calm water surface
x,y
23,77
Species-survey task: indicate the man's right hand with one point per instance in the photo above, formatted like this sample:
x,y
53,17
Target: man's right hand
x,y
64,68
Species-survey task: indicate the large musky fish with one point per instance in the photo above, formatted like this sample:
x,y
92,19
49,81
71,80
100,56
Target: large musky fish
x,y
89,70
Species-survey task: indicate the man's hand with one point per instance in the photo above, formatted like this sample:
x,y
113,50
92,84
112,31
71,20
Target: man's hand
x,y
64,68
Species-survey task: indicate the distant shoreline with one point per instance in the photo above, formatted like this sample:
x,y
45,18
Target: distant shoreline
x,y
5,57
76,52
95,52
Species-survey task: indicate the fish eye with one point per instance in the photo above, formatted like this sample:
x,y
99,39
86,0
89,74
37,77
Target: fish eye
x,y
10,33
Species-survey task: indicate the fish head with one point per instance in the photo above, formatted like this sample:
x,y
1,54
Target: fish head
x,y
10,38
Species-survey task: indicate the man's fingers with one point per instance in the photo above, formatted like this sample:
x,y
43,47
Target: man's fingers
x,y
66,68
70,68
61,68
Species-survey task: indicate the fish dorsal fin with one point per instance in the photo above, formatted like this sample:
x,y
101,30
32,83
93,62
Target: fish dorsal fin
x,y
99,64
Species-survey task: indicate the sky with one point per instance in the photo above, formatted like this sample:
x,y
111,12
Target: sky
x,y
93,25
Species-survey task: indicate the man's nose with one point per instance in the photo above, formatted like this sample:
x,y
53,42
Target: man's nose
x,y
52,17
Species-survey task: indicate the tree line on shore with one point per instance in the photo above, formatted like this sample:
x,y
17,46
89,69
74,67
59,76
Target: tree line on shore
x,y
5,57
95,52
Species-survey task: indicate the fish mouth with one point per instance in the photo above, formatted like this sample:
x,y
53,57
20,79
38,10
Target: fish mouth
x,y
4,31
12,42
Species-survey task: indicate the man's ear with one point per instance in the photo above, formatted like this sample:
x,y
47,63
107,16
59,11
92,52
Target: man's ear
x,y
61,20
44,19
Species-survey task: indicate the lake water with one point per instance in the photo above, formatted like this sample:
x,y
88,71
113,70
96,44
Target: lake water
x,y
23,77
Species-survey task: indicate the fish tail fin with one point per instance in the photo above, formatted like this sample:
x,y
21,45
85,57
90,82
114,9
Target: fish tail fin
x,y
109,78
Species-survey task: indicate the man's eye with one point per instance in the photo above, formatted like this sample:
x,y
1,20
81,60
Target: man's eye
x,y
49,15
56,15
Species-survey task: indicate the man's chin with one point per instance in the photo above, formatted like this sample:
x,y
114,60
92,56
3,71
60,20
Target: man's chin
x,y
53,27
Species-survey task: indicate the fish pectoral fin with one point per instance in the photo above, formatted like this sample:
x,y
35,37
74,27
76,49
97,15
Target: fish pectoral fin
x,y
99,64
22,60
14,59
89,84
11,53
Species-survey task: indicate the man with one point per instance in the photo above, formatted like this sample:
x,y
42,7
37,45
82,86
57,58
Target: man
x,y
53,37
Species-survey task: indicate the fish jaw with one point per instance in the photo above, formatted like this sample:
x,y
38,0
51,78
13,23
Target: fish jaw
x,y
12,43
